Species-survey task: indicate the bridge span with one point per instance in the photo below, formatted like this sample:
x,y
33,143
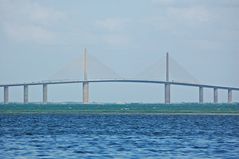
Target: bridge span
x,y
86,83
46,83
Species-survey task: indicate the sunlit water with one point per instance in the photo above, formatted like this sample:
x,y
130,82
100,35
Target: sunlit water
x,y
118,136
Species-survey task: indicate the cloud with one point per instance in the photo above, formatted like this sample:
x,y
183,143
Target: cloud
x,y
190,3
162,2
176,19
29,21
113,31
194,11
28,33
116,39
112,24
195,14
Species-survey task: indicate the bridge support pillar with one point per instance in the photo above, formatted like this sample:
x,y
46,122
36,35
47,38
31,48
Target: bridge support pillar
x,y
85,83
25,96
85,92
229,95
200,94
167,94
44,93
6,94
215,95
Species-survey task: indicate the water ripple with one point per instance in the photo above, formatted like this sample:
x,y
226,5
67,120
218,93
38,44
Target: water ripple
x,y
119,136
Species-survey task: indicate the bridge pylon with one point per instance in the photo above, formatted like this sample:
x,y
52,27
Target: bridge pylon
x,y
85,84
167,86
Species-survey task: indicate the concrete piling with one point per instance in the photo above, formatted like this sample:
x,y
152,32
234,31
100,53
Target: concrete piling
x,y
167,94
200,94
215,95
85,92
229,95
6,94
25,96
44,93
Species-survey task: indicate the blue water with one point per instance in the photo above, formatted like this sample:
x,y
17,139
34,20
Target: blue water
x,y
118,136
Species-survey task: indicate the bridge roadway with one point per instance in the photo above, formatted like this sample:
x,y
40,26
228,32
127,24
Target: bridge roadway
x,y
122,81
86,88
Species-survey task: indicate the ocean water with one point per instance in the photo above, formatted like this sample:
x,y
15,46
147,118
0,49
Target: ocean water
x,y
116,135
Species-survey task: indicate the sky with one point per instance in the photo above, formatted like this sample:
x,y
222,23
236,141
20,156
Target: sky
x,y
38,38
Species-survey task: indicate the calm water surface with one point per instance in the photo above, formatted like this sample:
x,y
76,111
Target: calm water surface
x,y
119,136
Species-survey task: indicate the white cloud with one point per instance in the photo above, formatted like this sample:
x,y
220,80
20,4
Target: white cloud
x,y
116,39
29,33
176,19
112,24
183,12
113,31
27,20
188,3
163,2
198,14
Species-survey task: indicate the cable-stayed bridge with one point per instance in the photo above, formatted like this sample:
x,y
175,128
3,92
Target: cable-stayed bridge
x,y
93,71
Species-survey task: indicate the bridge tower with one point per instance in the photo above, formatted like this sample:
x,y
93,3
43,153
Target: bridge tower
x,y
167,85
85,83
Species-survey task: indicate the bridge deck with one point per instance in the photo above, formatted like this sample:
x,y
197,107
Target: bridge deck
x,y
124,81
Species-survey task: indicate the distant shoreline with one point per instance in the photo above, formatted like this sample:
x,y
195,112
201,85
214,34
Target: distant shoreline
x,y
122,109
115,113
